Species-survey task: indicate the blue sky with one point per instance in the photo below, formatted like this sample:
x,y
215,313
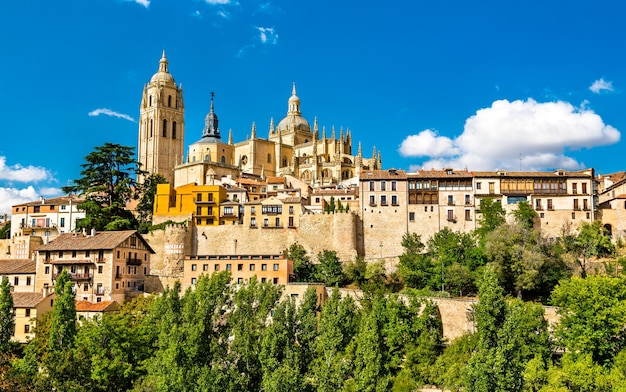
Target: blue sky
x,y
482,85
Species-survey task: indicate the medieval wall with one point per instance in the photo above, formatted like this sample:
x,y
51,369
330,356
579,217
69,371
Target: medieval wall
x,y
166,265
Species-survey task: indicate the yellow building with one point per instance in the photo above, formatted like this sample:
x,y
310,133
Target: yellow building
x,y
21,274
201,203
28,307
103,266
272,268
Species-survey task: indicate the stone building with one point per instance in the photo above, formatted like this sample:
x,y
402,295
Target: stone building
x,y
46,218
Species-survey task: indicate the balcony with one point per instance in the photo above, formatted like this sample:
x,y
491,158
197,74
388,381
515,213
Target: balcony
x,y
133,261
450,202
451,219
74,275
211,201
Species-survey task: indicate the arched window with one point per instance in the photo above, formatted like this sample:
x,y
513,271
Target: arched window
x,y
151,127
269,158
169,100
173,129
284,161
164,128
150,101
223,159
207,158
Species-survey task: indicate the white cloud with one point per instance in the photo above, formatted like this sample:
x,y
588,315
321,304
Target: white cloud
x,y
145,3
427,143
267,35
601,85
20,173
12,196
223,13
500,136
215,2
197,14
109,112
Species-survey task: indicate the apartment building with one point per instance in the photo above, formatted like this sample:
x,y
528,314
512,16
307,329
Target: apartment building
x,y
198,202
273,213
383,196
612,203
27,307
21,274
104,266
46,218
276,268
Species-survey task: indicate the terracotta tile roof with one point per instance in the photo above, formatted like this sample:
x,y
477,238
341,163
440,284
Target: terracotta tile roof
x,y
101,240
17,266
440,174
276,180
530,174
27,300
390,174
61,200
86,306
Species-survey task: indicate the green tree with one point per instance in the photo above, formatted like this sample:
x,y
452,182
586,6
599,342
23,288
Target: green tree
x,y
592,317
517,254
303,268
146,201
492,216
7,317
525,215
355,271
5,230
108,184
591,241
494,366
337,327
450,366
329,269
415,267
370,373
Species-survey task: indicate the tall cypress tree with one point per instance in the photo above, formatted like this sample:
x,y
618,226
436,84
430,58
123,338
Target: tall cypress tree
x,y
7,318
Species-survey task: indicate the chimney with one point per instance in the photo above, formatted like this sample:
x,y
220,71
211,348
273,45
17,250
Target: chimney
x,y
46,290
93,231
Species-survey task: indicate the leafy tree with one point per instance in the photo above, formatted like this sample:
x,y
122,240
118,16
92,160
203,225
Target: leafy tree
x,y
146,202
7,318
329,269
337,327
525,214
303,268
330,207
5,231
355,271
415,267
593,315
591,241
492,216
495,365
370,373
517,255
108,184
450,365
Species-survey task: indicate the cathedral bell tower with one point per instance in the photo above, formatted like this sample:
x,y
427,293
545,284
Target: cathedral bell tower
x,y
161,125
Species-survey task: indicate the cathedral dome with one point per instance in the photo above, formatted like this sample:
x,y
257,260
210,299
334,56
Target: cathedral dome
x,y
294,120
163,74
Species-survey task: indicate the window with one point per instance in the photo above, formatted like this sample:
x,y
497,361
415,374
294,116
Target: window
x,y
291,224
16,281
263,280
450,200
85,287
291,209
269,158
585,204
173,129
383,186
263,267
251,267
27,312
28,279
574,190
193,280
199,197
573,215
100,269
478,185
467,200
265,222
253,210
277,222
164,128
253,222
383,200
272,209
216,267
275,267
198,210
538,204
239,267
239,280
275,280
228,210
411,216
372,200
205,267
576,207
584,190
393,186
450,215
550,206
73,254
227,267
394,200
26,328
47,270
62,222
468,216
194,267
371,185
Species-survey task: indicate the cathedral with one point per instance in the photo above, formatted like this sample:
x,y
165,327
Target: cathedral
x,y
291,148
